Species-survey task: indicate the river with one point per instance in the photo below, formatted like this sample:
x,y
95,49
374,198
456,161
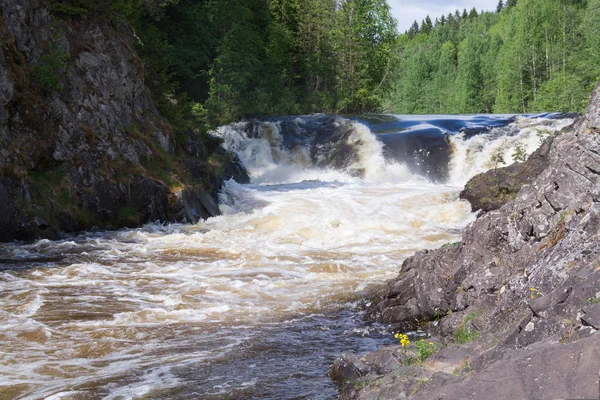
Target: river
x,y
255,303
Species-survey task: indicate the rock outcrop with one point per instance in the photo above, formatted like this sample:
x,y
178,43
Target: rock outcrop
x,y
522,288
81,141
496,187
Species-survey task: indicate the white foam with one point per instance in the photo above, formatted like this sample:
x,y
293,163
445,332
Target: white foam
x,y
268,162
474,155
298,239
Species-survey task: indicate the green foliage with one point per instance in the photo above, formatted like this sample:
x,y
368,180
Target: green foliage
x,y
594,300
465,333
97,8
245,58
211,62
424,349
498,159
519,154
48,72
543,134
450,244
528,56
68,9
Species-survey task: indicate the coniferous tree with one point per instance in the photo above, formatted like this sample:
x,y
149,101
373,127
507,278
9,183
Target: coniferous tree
x,y
457,16
229,60
426,25
413,30
500,6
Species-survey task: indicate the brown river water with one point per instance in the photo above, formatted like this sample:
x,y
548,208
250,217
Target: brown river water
x,y
255,303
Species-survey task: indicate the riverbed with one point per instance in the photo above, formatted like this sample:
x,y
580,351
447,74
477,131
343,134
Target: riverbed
x,y
257,302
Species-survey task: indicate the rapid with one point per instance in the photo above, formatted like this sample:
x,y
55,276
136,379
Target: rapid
x,y
257,302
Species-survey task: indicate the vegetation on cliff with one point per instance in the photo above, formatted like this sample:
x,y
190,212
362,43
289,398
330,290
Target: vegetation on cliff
x,y
82,143
222,61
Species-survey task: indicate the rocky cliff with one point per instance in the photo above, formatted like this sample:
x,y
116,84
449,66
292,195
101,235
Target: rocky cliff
x,y
81,141
514,308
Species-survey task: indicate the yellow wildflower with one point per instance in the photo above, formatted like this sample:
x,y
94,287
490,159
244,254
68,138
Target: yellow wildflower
x,y
404,341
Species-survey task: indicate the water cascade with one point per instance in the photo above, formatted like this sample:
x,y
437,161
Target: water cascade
x,y
257,302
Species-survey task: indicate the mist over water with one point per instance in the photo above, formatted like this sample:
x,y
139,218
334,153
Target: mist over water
x,y
255,303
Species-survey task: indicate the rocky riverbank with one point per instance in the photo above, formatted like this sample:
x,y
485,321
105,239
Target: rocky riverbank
x,y
82,144
513,309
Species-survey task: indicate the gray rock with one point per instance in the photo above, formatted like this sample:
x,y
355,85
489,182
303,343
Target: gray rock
x,y
348,367
548,371
385,360
591,316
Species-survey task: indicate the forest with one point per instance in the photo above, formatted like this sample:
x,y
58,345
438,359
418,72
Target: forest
x,y
527,56
209,62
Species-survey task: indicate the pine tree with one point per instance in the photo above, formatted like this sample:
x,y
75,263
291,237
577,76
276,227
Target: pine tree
x,y
413,30
500,6
457,16
426,25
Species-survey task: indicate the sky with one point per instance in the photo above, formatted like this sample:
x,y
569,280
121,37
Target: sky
x,y
406,11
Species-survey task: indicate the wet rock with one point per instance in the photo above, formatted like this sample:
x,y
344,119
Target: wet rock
x,y
348,368
424,289
189,206
9,219
234,169
386,360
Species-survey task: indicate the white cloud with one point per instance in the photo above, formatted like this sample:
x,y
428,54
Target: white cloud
x,y
407,11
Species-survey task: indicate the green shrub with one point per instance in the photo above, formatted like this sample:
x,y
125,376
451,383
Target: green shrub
x,y
424,349
519,154
68,9
50,68
464,333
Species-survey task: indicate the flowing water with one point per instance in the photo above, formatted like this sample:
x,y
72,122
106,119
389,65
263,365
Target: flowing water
x,y
255,303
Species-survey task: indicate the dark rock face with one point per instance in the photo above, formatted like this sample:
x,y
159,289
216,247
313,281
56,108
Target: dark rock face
x,y
525,277
83,144
9,215
425,153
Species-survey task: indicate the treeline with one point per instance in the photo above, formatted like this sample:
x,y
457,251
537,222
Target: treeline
x,y
210,62
528,56
221,60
